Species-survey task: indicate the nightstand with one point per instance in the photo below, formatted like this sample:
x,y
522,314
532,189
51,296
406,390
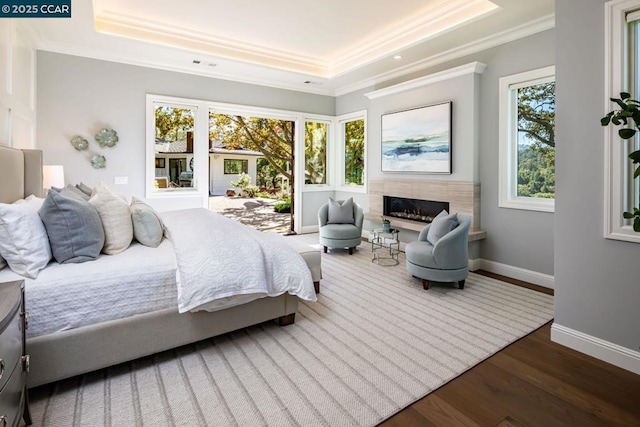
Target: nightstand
x,y
14,363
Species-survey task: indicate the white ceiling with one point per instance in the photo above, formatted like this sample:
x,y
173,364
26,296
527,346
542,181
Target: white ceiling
x,y
330,46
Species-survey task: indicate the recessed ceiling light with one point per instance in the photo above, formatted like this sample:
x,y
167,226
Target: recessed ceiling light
x,y
397,57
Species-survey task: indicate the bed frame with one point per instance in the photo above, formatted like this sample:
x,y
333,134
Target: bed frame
x,y
77,351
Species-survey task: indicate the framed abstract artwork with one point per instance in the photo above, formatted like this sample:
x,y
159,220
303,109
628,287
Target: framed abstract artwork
x,y
417,140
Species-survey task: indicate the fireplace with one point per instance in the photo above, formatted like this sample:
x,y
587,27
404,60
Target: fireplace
x,y
412,209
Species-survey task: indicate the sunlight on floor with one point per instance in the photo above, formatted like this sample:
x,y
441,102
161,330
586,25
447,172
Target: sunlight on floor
x,y
257,212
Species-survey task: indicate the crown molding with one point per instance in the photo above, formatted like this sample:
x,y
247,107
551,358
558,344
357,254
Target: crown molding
x,y
446,17
107,22
108,56
521,31
471,68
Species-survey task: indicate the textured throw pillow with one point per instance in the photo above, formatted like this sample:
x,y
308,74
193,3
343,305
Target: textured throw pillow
x,y
74,227
441,225
147,226
23,239
116,219
85,189
340,212
71,191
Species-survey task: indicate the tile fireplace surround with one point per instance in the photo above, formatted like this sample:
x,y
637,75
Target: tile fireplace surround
x,y
462,196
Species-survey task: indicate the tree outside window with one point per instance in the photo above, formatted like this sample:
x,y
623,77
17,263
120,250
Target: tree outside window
x,y
315,152
354,152
527,140
536,106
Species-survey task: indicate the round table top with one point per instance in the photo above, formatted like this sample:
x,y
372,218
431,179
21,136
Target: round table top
x,y
381,230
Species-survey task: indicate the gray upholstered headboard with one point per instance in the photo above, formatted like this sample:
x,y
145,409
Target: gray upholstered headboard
x,y
20,174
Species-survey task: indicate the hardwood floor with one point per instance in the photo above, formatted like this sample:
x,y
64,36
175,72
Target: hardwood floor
x,y
532,382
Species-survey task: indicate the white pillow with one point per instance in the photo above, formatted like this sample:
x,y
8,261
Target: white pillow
x,y
147,225
116,219
24,243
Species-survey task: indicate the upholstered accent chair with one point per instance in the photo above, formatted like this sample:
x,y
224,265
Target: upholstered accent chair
x,y
340,224
440,258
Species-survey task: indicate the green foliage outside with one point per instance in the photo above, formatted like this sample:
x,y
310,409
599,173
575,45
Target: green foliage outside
x,y
536,136
315,152
354,152
244,185
172,124
536,172
273,138
283,206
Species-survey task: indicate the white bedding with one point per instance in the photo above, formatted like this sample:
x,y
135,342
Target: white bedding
x,y
218,259
222,264
67,296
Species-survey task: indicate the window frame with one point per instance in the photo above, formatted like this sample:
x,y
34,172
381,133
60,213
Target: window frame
x,y
198,162
330,164
341,151
508,140
618,181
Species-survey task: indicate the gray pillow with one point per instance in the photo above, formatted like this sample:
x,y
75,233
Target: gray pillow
x,y
71,191
147,226
441,225
340,212
74,228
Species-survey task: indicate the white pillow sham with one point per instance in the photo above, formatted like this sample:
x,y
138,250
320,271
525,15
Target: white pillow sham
x,y
24,243
116,219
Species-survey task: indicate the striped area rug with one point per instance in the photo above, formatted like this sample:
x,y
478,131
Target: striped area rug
x,y
373,343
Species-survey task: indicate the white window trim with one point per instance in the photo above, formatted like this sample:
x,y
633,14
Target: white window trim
x,y
330,165
340,152
198,151
615,159
507,179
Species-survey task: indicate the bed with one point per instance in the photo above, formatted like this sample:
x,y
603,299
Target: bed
x,y
69,335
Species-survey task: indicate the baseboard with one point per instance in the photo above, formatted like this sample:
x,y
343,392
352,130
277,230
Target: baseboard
x,y
534,277
309,229
475,264
614,354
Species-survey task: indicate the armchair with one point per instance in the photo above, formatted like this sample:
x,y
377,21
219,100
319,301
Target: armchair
x,y
446,261
340,235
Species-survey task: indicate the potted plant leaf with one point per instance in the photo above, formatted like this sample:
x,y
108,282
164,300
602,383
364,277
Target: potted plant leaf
x,y
628,116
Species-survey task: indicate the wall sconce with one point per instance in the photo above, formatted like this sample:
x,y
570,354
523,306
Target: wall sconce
x,y
52,176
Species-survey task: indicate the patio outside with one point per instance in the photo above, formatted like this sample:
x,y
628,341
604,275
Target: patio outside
x,y
255,212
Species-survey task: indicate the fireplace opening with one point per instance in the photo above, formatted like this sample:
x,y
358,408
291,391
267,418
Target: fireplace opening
x,y
413,209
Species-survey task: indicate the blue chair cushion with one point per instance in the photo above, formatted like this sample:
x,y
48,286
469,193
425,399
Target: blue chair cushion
x,y
421,253
341,212
441,225
340,231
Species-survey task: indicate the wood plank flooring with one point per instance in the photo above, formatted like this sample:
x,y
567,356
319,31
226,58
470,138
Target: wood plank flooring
x,y
532,382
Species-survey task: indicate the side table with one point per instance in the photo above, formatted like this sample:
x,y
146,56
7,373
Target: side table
x,y
385,246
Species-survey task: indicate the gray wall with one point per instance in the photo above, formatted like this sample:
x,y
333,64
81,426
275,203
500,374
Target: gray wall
x,y
79,96
597,284
517,238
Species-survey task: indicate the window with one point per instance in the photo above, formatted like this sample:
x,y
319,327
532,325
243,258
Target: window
x,y
352,150
173,153
622,75
315,152
527,140
234,167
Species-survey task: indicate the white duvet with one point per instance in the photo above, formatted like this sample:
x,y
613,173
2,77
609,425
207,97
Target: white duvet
x,y
221,262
